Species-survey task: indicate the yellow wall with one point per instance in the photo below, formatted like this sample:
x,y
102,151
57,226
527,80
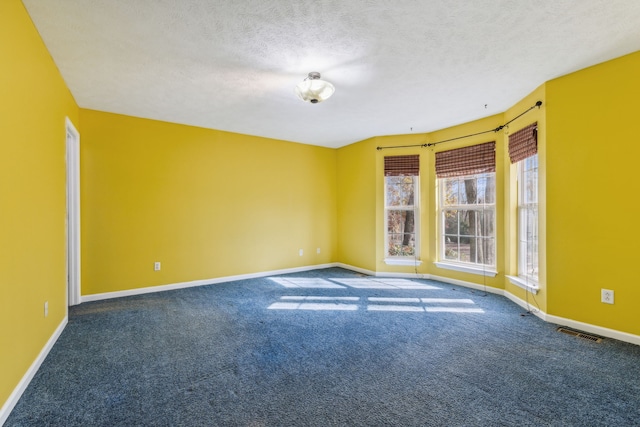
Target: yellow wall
x,y
357,205
33,104
592,194
204,203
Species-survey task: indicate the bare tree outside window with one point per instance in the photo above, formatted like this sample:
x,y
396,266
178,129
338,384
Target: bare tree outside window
x,y
400,207
468,219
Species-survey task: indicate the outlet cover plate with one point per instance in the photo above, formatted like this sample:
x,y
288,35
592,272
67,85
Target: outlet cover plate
x,y
606,296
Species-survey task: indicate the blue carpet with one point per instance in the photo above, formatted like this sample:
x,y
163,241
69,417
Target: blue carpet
x,y
326,348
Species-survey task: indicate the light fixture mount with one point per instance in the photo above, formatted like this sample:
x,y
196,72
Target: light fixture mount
x,y
313,89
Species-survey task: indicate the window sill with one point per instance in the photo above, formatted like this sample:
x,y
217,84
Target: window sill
x,y
466,269
402,261
527,285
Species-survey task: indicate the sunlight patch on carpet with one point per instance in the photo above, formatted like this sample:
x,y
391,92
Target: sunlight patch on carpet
x,y
317,306
365,283
305,282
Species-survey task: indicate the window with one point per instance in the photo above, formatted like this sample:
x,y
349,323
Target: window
x,y
467,193
528,218
401,206
468,219
523,152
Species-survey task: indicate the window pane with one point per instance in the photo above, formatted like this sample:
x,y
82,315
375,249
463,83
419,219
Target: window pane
x,y
400,190
451,222
485,223
486,251
468,191
397,246
391,194
532,259
464,221
468,235
532,187
450,195
465,249
396,221
401,201
487,196
482,188
532,225
530,163
528,218
401,232
451,250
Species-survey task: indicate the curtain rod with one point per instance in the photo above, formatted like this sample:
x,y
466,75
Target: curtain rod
x,y
433,144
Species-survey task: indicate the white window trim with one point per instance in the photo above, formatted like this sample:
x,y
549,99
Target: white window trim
x,y
526,284
523,279
487,272
409,259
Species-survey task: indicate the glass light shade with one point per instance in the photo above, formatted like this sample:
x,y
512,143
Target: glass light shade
x,y
313,89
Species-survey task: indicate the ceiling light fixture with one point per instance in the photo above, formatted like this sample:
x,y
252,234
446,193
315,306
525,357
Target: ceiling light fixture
x,y
313,89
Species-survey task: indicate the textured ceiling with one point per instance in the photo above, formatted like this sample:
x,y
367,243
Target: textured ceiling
x,y
398,66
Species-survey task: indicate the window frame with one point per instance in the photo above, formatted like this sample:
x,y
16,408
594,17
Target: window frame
x,y
459,265
412,259
525,205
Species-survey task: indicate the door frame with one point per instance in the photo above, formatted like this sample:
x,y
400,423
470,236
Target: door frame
x,y
73,213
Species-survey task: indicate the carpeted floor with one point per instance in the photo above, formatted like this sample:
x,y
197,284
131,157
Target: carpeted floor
x,y
326,348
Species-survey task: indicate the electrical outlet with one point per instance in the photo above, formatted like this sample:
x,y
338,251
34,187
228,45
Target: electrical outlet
x,y
606,296
156,266
46,308
318,250
300,252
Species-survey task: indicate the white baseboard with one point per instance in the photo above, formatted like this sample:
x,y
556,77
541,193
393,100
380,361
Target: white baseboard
x,y
532,308
574,324
356,269
597,330
203,282
28,376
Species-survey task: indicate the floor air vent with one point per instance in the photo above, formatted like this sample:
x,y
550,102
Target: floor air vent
x,y
579,334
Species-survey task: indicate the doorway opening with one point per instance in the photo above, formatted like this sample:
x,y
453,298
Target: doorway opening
x,y
73,214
